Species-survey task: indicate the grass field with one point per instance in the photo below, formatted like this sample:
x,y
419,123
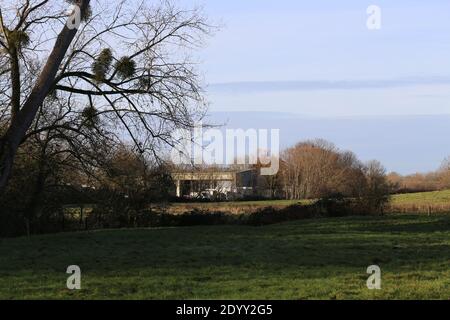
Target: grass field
x,y
310,259
232,207
424,202
423,198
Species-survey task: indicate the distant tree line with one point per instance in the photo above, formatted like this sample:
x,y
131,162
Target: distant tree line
x,y
422,182
316,169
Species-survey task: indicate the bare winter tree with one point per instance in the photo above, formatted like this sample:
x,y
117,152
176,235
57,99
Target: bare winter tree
x,y
377,187
127,65
316,169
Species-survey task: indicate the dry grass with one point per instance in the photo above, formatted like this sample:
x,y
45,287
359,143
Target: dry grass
x,y
244,207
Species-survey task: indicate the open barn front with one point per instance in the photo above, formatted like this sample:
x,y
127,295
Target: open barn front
x,y
215,185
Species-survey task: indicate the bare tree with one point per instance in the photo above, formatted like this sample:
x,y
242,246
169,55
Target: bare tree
x,y
377,190
444,174
315,169
128,65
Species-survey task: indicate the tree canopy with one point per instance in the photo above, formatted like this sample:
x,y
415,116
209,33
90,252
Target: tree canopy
x,y
126,73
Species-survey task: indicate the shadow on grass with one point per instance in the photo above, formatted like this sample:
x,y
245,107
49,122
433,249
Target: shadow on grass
x,y
321,243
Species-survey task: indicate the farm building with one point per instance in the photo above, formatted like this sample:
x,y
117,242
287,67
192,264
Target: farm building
x,y
223,184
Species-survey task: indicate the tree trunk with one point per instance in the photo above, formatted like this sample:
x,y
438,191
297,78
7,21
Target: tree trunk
x,y
10,141
6,162
36,194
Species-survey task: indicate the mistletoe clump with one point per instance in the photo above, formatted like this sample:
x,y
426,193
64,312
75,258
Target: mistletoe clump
x,y
18,38
145,82
125,67
90,115
102,64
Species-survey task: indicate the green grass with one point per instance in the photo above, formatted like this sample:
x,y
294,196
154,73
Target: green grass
x,y
423,198
420,198
310,259
438,201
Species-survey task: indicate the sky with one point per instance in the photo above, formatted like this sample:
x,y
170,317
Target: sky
x,y
318,60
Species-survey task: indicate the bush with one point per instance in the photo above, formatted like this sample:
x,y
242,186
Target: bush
x,y
202,218
271,215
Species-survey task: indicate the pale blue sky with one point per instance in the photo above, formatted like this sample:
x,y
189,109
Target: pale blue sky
x,y
317,59
327,40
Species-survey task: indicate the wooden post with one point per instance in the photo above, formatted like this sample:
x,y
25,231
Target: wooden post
x,y
81,214
178,188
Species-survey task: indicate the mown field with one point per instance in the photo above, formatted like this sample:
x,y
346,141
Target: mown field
x,y
309,259
428,202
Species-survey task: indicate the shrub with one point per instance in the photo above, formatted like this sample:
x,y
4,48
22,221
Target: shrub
x,y
270,215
